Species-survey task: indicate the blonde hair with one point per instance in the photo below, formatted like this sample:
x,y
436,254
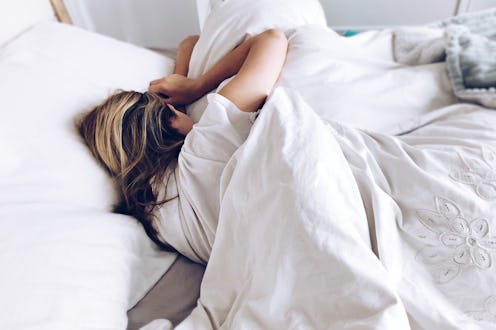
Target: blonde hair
x,y
130,135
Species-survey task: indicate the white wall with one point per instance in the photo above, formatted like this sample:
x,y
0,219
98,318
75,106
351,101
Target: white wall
x,y
481,4
363,14
164,23
149,23
366,13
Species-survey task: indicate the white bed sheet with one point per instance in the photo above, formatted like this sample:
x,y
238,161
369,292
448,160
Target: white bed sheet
x,y
67,261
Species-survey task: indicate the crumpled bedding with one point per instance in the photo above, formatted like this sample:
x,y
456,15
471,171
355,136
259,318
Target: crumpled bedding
x,y
327,220
352,80
292,228
326,226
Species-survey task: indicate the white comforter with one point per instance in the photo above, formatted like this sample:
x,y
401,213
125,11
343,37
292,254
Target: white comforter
x,y
325,224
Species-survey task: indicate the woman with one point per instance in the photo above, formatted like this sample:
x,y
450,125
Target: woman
x,y
156,152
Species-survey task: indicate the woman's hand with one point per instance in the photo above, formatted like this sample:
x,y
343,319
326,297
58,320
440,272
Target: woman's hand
x,y
176,89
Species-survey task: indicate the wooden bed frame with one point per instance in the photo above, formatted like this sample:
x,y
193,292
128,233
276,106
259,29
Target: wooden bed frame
x,y
60,11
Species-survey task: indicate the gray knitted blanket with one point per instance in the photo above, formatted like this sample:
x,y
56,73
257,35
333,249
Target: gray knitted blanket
x,y
468,45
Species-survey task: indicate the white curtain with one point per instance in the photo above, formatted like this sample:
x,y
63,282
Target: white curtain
x,y
150,23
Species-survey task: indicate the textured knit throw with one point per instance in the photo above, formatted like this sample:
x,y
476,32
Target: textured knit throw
x,y
467,43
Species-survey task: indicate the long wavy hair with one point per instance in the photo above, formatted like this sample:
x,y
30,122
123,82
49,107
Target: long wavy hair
x,y
130,135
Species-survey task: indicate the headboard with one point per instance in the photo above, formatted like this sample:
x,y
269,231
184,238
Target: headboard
x,y
60,11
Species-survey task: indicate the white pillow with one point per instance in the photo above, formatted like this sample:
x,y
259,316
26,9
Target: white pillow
x,y
230,21
15,18
67,261
49,76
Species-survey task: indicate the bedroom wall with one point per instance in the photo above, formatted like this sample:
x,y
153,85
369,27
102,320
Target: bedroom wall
x,y
359,14
364,14
481,4
149,23
164,23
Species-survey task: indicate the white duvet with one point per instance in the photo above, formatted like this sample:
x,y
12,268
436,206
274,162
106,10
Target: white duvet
x,y
329,221
323,226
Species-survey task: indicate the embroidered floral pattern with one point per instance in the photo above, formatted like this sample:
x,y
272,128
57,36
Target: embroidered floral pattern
x,y
458,242
479,173
488,313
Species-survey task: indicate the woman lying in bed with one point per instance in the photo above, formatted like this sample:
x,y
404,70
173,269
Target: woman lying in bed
x,y
156,152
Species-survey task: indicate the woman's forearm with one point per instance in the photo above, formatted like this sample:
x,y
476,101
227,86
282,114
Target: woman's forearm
x,y
179,90
183,55
256,62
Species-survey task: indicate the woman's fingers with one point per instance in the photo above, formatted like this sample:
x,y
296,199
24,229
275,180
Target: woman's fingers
x,y
159,87
176,89
153,82
154,88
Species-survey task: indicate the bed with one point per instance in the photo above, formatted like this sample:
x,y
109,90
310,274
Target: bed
x,y
370,203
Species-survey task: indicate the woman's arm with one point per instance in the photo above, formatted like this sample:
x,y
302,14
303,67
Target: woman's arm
x,y
183,55
257,63
259,71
